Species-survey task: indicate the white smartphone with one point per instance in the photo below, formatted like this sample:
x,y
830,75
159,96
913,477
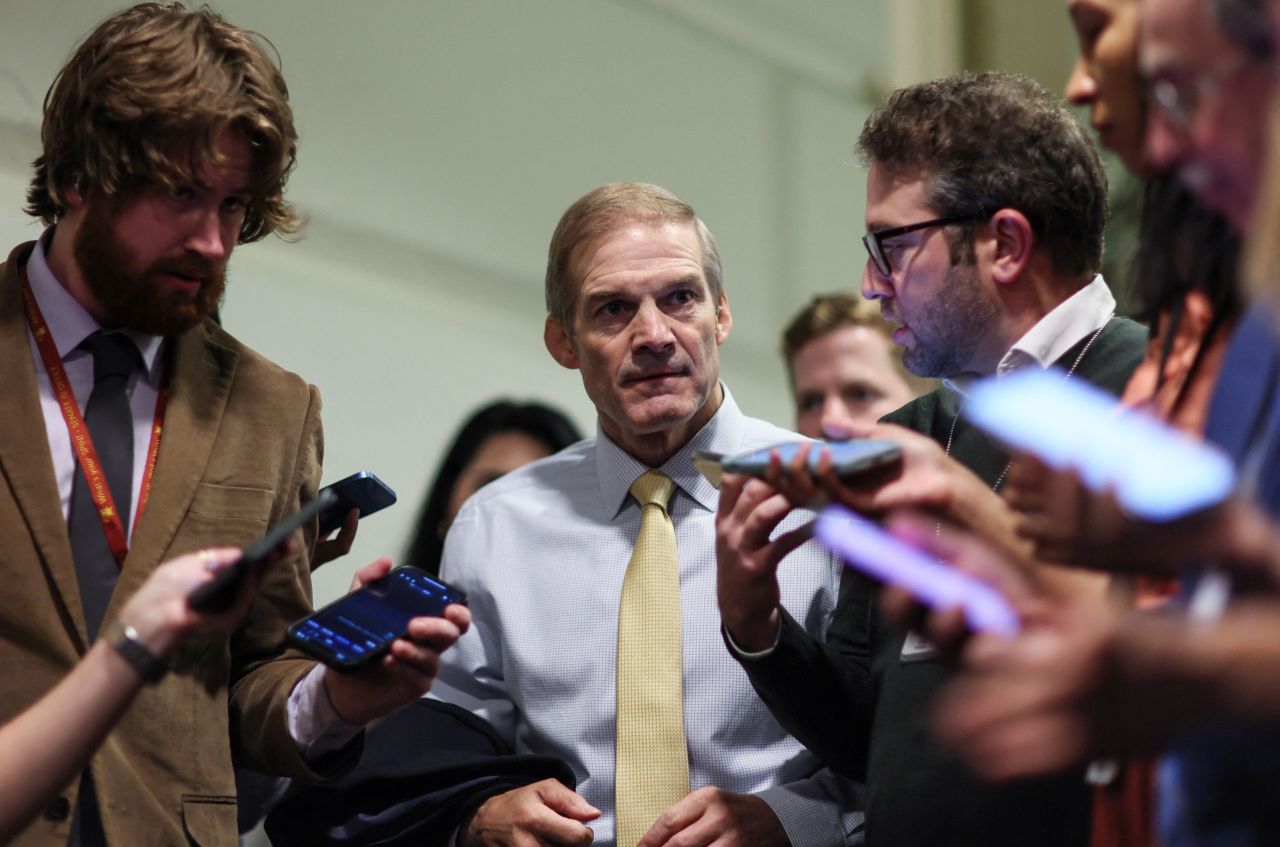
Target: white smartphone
x,y
1156,472
865,547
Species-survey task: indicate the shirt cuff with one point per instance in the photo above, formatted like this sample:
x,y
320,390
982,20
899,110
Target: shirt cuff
x,y
812,817
748,654
314,724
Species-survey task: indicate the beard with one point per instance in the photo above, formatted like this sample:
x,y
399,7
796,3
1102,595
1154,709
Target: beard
x,y
950,327
134,297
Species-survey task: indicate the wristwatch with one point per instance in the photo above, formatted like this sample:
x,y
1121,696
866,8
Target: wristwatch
x,y
125,640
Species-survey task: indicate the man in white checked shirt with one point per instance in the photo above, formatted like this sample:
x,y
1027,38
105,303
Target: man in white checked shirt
x,y
591,574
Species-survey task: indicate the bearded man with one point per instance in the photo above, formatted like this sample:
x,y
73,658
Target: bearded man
x,y
134,428
984,214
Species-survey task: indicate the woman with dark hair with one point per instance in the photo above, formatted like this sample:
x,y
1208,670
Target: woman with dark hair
x,y
495,440
1186,289
1185,283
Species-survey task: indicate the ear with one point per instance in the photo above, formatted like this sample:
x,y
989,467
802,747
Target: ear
x,y
73,192
1013,241
724,318
559,343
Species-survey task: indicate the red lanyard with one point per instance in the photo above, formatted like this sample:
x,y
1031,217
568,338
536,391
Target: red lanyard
x,y
112,525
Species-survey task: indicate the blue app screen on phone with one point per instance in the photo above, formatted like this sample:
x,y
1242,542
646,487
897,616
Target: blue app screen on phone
x,y
364,622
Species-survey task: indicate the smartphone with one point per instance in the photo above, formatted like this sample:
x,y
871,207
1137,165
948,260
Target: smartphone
x,y
1155,472
360,627
220,592
849,458
867,548
363,491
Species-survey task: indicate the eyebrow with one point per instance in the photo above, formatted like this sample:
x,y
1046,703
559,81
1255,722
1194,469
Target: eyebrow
x,y
600,297
605,295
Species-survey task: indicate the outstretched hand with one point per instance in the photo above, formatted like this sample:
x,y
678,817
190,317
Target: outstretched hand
x,y
160,613
408,669
1067,522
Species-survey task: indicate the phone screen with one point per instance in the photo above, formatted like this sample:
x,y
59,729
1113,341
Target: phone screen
x,y
1155,471
866,547
361,625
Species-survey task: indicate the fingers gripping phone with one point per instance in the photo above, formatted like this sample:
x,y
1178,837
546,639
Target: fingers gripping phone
x,y
849,459
1156,472
363,491
358,628
219,593
867,548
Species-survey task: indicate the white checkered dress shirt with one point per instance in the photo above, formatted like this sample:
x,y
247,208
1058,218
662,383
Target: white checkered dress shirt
x,y
541,554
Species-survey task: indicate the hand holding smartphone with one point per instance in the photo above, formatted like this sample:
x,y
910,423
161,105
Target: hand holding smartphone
x,y
849,459
867,548
359,628
362,491
219,593
1156,472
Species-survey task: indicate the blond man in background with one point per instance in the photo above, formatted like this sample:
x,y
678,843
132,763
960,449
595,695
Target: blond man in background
x,y
843,366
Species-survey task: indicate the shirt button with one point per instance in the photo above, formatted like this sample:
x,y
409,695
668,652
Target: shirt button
x,y
58,809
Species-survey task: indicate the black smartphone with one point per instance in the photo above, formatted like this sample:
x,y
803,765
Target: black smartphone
x,y
363,491
220,592
360,627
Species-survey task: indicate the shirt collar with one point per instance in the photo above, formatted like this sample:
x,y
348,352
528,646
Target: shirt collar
x,y
1065,326
617,469
69,323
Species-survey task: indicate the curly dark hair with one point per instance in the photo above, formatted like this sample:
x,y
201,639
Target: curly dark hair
x,y
994,140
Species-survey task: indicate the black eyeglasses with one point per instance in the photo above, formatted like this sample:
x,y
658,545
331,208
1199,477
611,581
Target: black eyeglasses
x,y
874,241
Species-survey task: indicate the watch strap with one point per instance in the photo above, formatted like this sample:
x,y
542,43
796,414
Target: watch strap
x,y
125,640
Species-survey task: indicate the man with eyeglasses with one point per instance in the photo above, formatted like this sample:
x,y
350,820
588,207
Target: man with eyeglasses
x,y
985,208
1209,68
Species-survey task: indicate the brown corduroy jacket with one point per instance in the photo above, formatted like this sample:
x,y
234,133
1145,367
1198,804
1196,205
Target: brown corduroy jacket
x,y
240,449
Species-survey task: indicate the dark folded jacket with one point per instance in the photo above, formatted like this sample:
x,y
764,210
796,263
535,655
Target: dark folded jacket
x,y
423,770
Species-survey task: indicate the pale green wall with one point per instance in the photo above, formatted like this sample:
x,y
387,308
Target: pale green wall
x,y
440,142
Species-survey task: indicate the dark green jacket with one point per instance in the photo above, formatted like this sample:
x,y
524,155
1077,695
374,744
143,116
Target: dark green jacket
x,y
866,712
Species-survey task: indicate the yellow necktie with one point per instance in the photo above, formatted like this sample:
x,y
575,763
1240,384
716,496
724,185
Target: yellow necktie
x,y
652,771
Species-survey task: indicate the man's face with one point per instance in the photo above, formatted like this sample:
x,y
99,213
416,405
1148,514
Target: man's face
x,y
1105,76
946,310
157,261
845,378
1217,144
646,334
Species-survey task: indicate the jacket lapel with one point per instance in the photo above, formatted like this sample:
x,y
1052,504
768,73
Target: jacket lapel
x,y
24,450
200,383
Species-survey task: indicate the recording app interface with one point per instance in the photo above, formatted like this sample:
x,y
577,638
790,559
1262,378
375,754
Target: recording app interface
x,y
366,621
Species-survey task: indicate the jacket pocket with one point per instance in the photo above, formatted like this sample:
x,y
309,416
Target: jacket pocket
x,y
210,820
232,502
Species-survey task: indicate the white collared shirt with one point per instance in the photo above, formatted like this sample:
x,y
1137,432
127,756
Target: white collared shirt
x,y
1065,326
542,553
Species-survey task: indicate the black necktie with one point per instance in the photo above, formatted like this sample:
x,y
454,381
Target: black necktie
x,y
110,423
